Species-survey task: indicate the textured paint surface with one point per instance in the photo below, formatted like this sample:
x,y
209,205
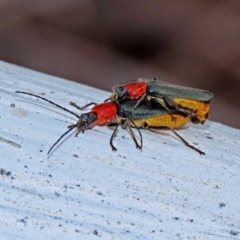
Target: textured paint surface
x,y
84,190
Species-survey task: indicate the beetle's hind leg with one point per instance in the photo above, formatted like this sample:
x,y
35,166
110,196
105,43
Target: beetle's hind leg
x,y
172,105
145,125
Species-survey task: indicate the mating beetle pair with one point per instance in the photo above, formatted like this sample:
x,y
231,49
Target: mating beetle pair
x,y
144,103
183,99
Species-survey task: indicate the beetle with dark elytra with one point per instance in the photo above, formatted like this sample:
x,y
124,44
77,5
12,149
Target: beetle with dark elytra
x,y
190,101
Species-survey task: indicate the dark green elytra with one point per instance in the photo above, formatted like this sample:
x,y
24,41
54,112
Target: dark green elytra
x,y
146,110
157,88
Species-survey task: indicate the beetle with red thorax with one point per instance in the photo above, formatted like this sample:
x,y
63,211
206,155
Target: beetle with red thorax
x,y
101,114
190,101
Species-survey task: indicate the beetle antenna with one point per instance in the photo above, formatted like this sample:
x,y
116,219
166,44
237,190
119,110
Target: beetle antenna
x,y
108,99
64,134
53,103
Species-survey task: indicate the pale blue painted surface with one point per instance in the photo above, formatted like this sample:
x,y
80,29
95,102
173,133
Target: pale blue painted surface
x,y
86,191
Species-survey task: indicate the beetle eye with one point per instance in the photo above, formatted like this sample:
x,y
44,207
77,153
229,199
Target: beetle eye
x,y
86,119
121,92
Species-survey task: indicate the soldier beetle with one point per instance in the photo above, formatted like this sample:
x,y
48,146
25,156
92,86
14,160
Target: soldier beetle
x,y
101,114
190,101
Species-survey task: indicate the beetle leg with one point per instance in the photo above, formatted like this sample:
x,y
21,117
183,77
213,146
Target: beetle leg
x,y
112,137
125,124
145,125
185,142
171,104
82,108
141,99
133,135
162,102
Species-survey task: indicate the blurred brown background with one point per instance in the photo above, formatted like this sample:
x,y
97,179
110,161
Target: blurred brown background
x,y
102,43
